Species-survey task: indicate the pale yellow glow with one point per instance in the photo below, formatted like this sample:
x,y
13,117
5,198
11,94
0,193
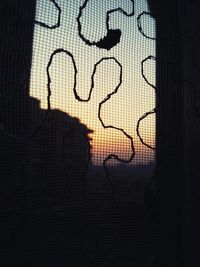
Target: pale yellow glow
x,y
123,109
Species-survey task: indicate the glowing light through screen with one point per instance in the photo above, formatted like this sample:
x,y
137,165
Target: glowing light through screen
x,y
134,97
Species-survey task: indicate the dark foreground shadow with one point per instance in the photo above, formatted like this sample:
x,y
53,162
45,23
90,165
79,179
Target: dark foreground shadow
x,y
46,219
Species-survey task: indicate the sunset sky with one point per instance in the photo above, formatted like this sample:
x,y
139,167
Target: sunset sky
x,y
134,96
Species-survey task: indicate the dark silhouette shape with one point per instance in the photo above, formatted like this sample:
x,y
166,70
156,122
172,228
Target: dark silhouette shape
x,y
177,171
44,157
110,40
196,54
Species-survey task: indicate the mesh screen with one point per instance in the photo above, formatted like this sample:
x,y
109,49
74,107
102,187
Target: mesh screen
x,y
99,57
77,132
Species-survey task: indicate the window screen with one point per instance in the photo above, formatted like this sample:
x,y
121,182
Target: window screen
x,y
95,61
78,132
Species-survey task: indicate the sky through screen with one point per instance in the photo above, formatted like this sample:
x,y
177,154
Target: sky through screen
x,y
134,96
